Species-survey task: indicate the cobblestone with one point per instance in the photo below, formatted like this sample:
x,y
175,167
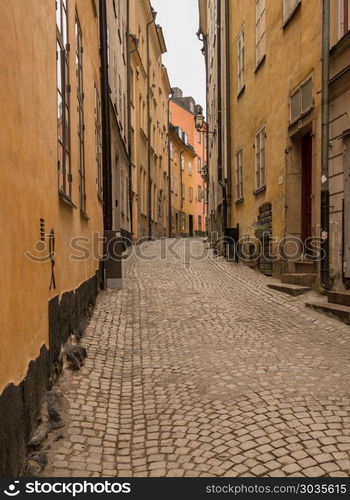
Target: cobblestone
x,y
203,370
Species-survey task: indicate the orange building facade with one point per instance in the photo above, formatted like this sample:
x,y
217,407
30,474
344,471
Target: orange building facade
x,y
188,151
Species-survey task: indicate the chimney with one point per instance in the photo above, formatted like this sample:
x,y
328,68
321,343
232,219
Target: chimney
x,y
177,93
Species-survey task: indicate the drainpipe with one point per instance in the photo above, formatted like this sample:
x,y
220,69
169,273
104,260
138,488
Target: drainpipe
x,y
181,178
228,113
149,131
106,126
220,165
169,169
129,119
325,278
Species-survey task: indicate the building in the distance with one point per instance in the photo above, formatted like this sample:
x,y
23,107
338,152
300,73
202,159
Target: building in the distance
x,y
149,97
188,148
214,31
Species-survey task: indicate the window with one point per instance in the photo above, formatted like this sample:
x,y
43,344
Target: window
x,y
260,31
171,151
182,161
108,48
132,87
240,60
200,194
183,222
115,9
80,107
183,191
185,137
199,137
63,100
190,168
289,7
190,191
260,158
344,17
98,144
199,165
239,175
301,101
122,191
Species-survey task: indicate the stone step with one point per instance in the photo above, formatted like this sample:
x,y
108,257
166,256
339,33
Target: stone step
x,y
340,298
293,290
340,312
299,279
304,266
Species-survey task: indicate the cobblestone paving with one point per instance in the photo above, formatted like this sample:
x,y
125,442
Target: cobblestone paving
x,y
204,371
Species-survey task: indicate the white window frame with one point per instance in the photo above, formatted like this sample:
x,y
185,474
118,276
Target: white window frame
x,y
260,158
239,174
190,193
343,17
260,31
190,168
240,60
289,7
182,162
302,110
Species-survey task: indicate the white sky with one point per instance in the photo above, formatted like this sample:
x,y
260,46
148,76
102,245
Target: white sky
x,y
184,60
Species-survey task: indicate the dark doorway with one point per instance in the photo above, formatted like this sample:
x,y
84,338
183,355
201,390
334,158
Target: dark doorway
x,y
191,226
177,223
306,187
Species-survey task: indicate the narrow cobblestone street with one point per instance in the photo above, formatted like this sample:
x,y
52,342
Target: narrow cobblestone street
x,y
203,370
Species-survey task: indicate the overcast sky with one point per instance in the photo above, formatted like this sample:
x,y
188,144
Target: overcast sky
x,y
184,60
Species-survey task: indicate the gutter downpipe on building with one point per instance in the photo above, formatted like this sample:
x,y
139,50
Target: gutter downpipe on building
x,y
108,271
149,24
220,166
106,125
129,120
325,277
169,169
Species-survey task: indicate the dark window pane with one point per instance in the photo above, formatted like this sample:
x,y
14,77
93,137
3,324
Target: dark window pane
x,y
60,167
59,68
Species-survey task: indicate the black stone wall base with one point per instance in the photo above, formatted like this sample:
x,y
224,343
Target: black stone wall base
x,y
20,405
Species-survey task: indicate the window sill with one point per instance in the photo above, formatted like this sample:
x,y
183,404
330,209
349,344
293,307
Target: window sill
x,y
241,92
239,201
260,63
291,15
66,200
261,189
84,215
